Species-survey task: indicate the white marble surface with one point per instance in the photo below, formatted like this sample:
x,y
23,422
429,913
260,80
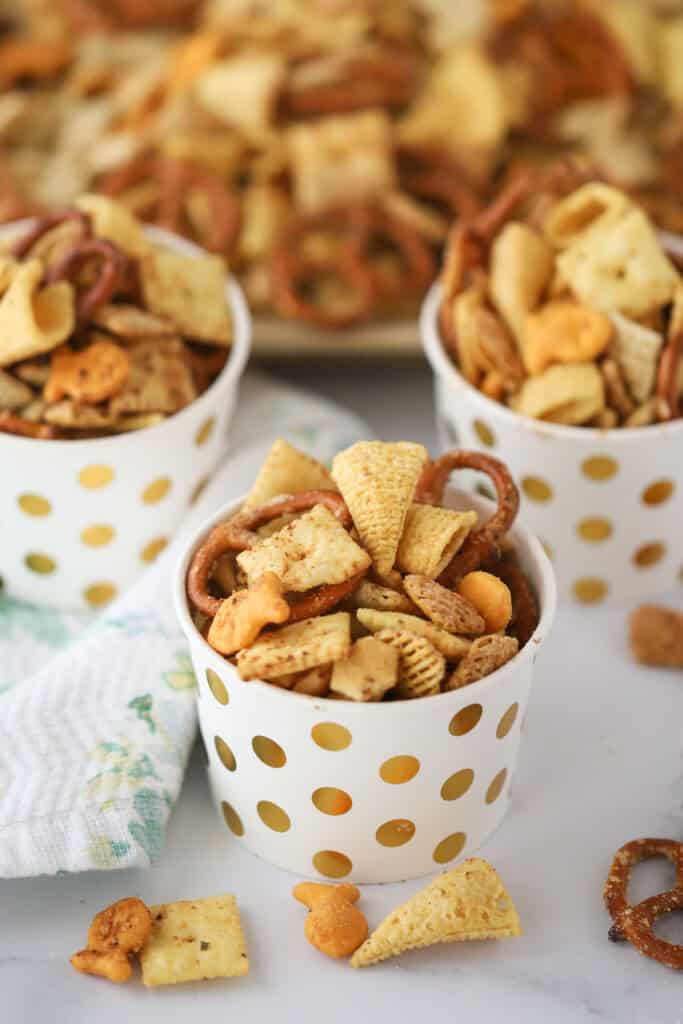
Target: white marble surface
x,y
600,764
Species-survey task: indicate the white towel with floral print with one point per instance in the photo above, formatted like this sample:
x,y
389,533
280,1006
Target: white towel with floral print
x,y
97,716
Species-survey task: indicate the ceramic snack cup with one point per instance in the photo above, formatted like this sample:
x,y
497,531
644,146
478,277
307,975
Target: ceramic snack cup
x,y
361,791
82,518
607,504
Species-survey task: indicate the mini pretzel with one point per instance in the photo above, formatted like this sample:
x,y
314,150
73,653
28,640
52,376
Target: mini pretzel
x,y
667,376
12,423
625,859
23,245
237,534
290,271
112,272
482,544
367,82
419,264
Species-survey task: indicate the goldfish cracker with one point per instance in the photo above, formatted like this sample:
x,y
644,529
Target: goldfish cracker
x,y
334,926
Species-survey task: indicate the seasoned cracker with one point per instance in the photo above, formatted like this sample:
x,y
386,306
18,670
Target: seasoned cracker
x,y
287,470
468,902
312,550
241,92
130,322
562,394
315,682
486,654
636,350
14,394
431,537
189,291
298,647
112,221
194,940
383,599
367,672
421,667
377,481
159,379
452,647
444,607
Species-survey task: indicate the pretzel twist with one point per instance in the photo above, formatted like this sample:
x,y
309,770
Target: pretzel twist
x,y
114,265
482,544
23,245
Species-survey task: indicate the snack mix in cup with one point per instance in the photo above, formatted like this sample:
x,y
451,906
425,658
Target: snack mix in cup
x,y
102,330
323,148
359,584
565,304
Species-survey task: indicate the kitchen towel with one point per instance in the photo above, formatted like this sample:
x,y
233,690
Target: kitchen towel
x,y
97,715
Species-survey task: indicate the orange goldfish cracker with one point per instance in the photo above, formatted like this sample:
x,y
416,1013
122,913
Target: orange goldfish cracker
x,y
564,332
490,596
242,616
334,926
115,965
116,932
96,373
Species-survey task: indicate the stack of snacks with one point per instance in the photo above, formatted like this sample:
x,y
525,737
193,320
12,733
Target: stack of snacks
x,y
101,330
568,310
324,149
360,584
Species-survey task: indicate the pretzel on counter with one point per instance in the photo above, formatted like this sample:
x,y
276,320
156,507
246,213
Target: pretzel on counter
x,y
113,267
237,534
634,922
482,544
356,228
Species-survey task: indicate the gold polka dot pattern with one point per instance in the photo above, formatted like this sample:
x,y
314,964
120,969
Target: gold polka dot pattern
x,y
98,535
99,594
39,562
496,786
225,753
205,431
151,551
332,864
590,590
232,818
649,554
599,467
331,736
507,721
396,832
484,433
332,801
34,505
156,491
465,720
217,686
456,785
272,816
536,488
594,529
658,492
268,751
95,477
398,770
449,848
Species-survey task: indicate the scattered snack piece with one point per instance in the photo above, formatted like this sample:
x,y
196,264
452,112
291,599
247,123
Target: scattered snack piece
x,y
334,926
635,922
282,588
194,940
367,672
491,598
469,902
115,934
657,636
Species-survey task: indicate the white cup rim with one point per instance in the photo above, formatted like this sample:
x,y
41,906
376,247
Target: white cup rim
x,y
444,368
547,599
232,371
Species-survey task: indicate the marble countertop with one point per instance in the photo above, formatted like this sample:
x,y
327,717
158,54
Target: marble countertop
x,y
601,763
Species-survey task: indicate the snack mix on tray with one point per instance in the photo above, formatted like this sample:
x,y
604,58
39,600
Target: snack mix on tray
x,y
564,304
191,940
323,148
102,331
360,584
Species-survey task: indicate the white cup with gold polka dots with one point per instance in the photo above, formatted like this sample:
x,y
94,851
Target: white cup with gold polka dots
x,y
366,792
607,504
81,519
